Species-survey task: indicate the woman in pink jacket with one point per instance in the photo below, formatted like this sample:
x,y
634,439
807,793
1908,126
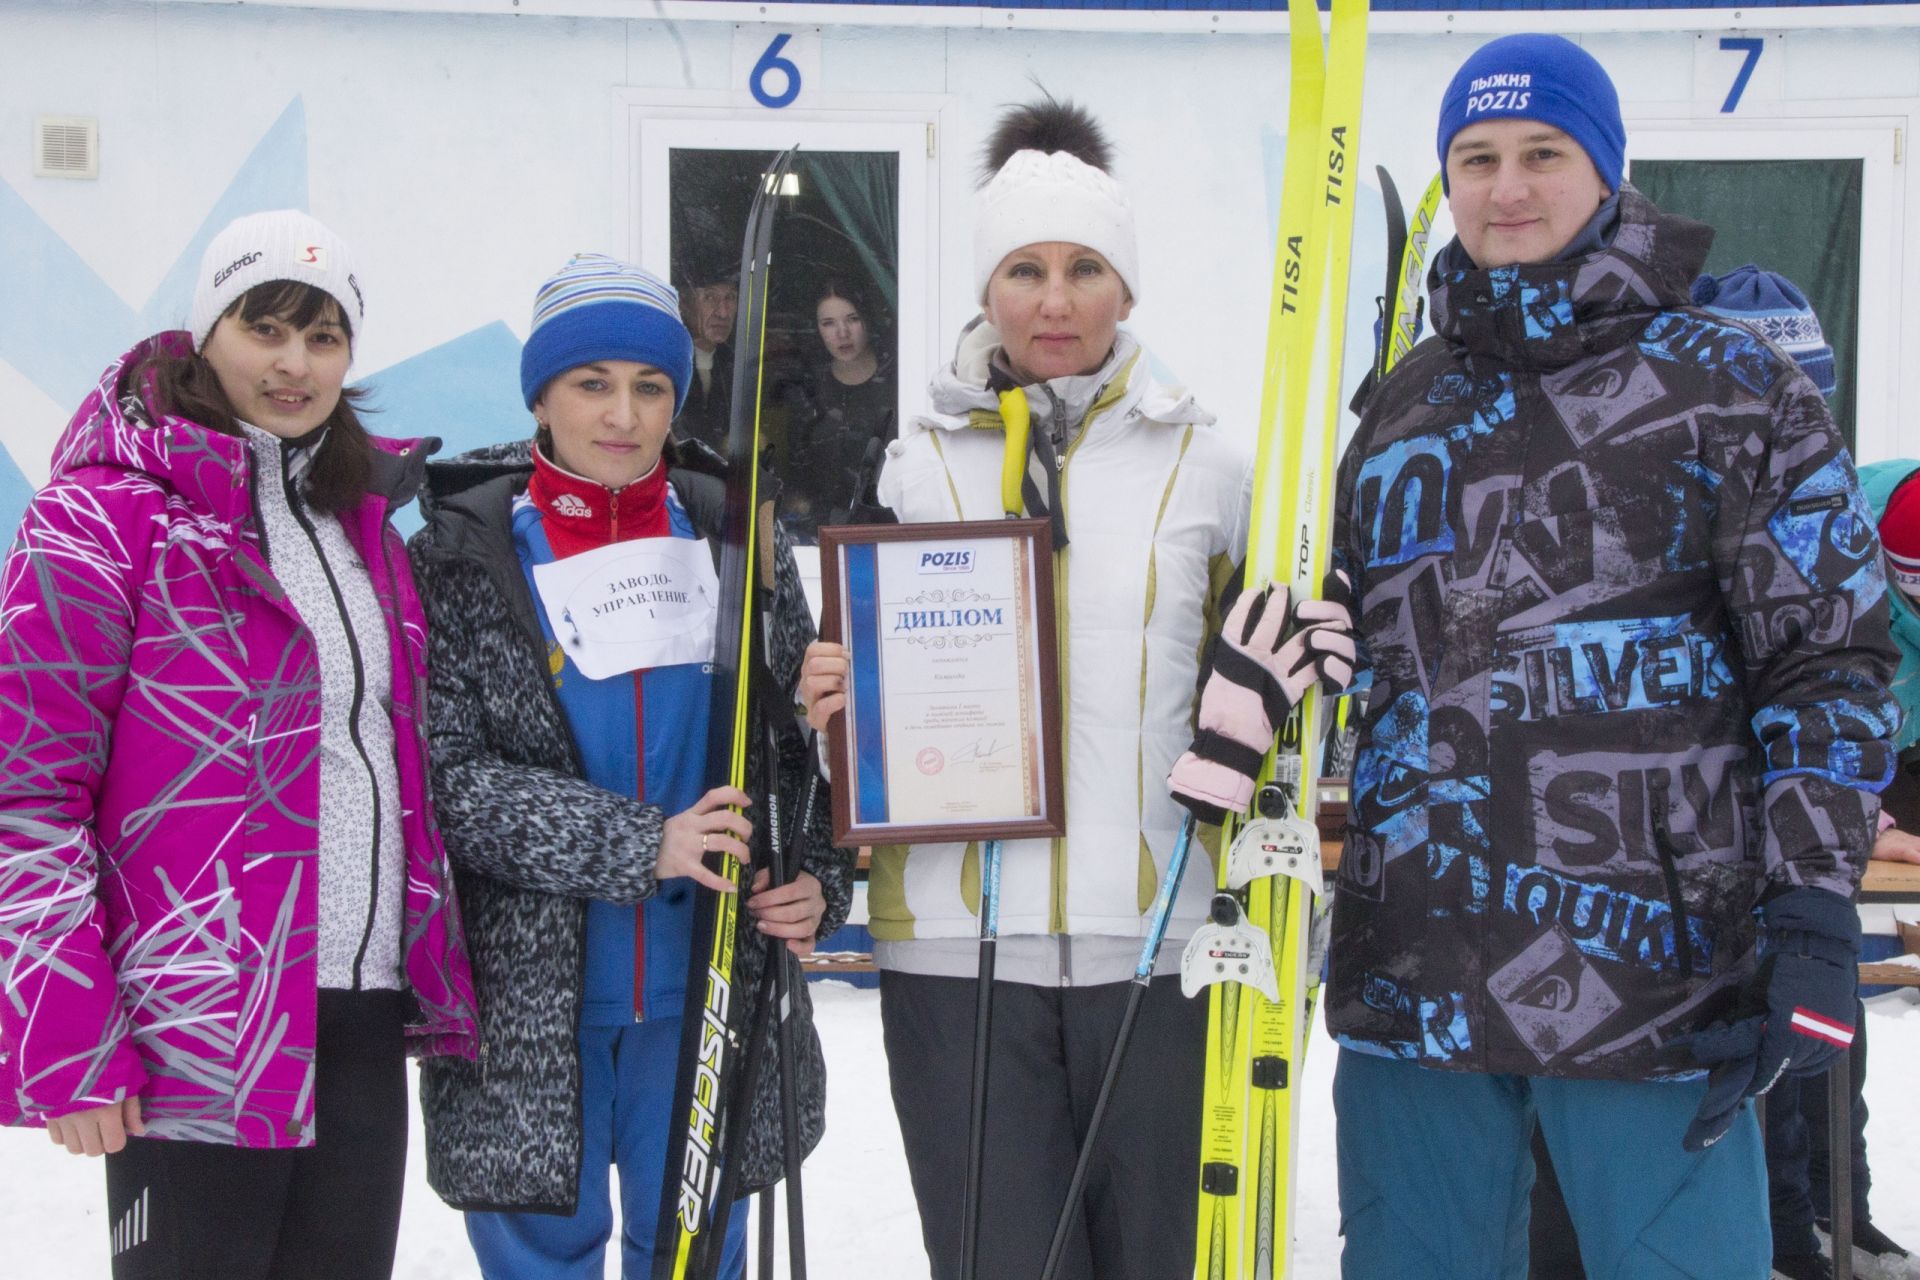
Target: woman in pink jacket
x,y
225,915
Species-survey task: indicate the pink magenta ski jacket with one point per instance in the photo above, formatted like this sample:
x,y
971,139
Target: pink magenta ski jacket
x,y
160,787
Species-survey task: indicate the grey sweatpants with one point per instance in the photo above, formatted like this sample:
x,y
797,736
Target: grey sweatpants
x,y
1050,1047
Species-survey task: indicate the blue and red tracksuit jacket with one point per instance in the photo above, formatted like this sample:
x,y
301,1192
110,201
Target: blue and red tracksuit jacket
x,y
642,734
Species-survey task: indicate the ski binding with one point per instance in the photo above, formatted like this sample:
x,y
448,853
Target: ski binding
x,y
1228,949
1286,846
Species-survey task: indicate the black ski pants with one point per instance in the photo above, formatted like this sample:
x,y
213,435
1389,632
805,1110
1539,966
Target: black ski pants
x,y
1050,1047
194,1210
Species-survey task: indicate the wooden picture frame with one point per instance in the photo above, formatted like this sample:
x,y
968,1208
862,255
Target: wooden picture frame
x,y
952,726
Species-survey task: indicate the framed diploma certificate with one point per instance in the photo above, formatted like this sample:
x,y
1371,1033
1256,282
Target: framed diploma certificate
x,y
952,725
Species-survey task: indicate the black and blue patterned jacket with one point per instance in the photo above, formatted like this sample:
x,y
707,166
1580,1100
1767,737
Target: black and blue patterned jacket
x,y
1624,609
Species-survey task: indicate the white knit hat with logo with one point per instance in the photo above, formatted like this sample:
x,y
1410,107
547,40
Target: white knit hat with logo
x,y
1041,196
284,244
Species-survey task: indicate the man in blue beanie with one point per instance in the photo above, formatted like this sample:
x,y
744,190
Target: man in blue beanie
x,y
1531,149
1619,769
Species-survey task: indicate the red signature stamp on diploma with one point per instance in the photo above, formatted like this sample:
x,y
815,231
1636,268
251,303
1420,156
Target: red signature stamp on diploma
x,y
930,760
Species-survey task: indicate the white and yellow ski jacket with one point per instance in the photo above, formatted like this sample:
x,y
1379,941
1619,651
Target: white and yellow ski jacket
x,y
1156,501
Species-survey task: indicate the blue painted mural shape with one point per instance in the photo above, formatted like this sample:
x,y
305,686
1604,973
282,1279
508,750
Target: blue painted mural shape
x,y
60,324
466,392
14,492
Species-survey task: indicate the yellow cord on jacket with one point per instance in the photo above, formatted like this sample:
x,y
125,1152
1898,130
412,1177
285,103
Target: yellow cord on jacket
x,y
1013,462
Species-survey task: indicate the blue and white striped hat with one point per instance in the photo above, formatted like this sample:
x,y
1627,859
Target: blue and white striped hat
x,y
599,308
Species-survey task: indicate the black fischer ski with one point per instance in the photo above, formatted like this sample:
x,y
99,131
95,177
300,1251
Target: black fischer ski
x,y
1383,305
1396,249
713,1021
771,1008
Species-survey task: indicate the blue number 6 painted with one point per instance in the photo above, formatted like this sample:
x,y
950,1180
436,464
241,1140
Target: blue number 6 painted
x,y
772,61
1752,46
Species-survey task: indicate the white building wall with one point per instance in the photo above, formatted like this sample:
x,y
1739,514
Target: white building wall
x,y
464,156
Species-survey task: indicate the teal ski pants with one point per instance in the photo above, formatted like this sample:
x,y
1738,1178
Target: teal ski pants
x,y
1435,1173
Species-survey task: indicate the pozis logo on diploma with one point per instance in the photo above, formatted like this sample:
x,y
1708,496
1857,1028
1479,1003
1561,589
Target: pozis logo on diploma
x,y
949,692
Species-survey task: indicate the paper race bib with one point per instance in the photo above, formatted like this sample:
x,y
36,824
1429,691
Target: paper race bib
x,y
632,605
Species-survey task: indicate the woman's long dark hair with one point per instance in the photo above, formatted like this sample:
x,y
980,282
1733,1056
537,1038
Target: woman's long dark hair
x,y
186,385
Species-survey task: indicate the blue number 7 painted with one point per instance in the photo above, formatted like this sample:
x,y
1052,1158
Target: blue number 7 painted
x,y
1752,46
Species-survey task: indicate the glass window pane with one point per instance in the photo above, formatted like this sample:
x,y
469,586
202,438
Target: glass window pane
x,y
1800,218
831,343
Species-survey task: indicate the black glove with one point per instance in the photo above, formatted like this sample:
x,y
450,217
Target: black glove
x,y
1796,1015
1263,664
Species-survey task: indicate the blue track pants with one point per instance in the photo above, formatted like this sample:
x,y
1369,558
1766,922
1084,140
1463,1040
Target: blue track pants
x,y
626,1087
1435,1173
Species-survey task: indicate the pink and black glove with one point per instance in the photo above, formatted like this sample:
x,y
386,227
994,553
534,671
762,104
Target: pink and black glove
x,y
1795,1016
1262,667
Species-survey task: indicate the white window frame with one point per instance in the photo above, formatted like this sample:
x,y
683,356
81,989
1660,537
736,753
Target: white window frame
x,y
648,124
1809,134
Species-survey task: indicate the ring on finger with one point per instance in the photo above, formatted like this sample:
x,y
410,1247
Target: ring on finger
x,y
704,837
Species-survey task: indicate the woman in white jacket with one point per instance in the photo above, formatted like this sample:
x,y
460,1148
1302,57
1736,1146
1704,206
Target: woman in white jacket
x,y
1149,502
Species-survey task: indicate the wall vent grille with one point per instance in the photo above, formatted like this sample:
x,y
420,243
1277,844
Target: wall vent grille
x,y
66,147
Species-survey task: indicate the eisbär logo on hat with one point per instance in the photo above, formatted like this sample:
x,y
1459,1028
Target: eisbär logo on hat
x,y
283,244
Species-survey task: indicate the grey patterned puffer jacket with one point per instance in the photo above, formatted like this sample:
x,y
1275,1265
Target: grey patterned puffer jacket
x,y
531,840
1624,608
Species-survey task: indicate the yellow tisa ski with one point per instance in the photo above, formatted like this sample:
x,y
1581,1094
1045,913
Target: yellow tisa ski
x,y
1258,1026
1284,901
1255,1025
1224,1180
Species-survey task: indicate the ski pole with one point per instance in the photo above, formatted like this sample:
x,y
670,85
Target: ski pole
x,y
735,1116
763,1210
1142,979
783,873
982,1036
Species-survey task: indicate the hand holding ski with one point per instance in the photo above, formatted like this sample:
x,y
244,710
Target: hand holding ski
x,y
790,912
1266,660
710,826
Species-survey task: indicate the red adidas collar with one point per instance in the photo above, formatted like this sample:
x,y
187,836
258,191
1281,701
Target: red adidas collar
x,y
580,514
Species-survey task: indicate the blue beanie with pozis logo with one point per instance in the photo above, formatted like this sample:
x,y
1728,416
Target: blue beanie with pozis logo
x,y
1538,77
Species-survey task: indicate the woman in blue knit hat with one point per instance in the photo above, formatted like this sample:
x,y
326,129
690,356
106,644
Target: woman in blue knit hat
x,y
570,590
1618,774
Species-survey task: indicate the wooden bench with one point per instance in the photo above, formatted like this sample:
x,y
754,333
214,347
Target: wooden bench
x,y
1890,974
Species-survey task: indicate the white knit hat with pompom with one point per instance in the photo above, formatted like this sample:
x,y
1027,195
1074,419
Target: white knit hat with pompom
x,y
1040,196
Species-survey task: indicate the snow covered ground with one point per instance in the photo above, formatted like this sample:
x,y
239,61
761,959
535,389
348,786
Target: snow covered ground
x,y
860,1215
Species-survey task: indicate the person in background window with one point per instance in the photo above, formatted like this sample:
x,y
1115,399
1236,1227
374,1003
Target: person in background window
x,y
848,400
709,303
225,912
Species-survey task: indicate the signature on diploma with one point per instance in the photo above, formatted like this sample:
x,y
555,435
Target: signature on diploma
x,y
981,749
